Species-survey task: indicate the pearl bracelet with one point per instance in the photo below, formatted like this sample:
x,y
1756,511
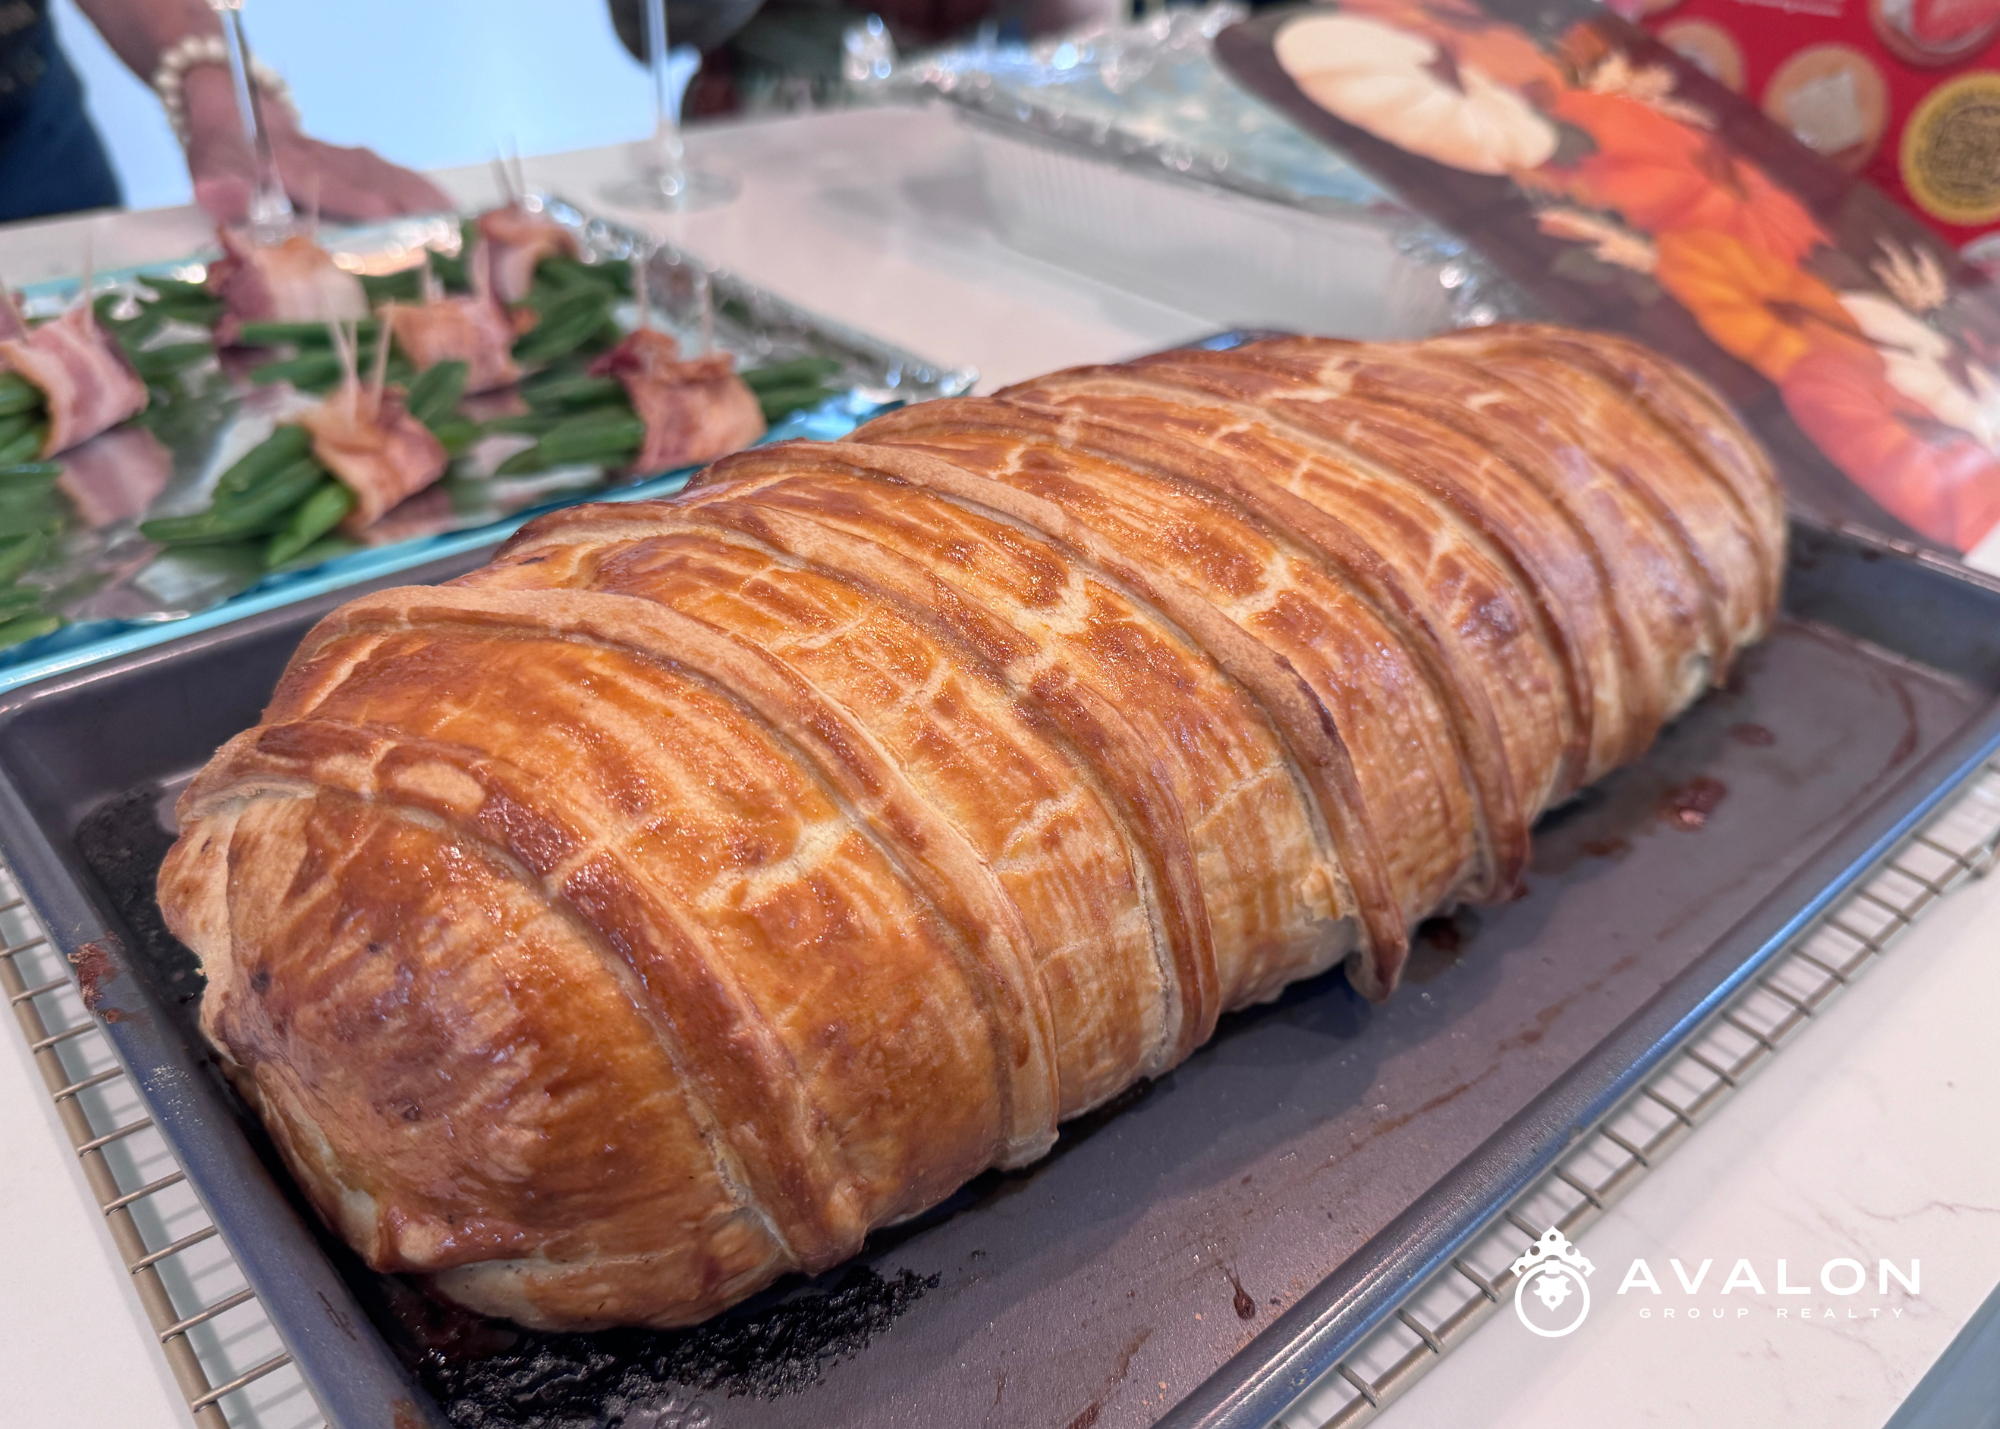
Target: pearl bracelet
x,y
192,51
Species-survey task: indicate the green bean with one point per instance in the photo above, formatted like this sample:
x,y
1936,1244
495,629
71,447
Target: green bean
x,y
307,370
29,481
250,514
18,600
18,394
528,424
456,435
571,274
156,364
799,372
403,287
200,314
311,519
19,554
325,549
436,392
25,447
582,390
452,271
14,632
783,401
12,427
525,462
176,287
313,335
603,438
134,331
42,517
593,434
567,324
183,305
553,375
266,497
130,331
556,336
269,457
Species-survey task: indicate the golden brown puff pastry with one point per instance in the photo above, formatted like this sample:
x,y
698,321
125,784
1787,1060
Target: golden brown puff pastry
x,y
706,882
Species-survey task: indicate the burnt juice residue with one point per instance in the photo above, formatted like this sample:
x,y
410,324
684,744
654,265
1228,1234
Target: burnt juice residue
x,y
94,968
124,844
555,1381
1754,735
1688,805
1246,1307
489,1374
1442,934
1437,944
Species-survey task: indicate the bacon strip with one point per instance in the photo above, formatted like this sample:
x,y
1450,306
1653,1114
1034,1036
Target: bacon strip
x,y
86,383
373,445
516,242
115,477
694,411
472,329
292,281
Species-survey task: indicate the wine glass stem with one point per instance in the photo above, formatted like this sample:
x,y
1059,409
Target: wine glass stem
x,y
668,155
270,209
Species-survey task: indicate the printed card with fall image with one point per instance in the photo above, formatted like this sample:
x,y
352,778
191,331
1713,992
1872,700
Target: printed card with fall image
x,y
1629,191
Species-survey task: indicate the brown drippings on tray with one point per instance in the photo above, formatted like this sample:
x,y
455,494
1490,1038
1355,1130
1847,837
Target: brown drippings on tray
x,y
1688,806
491,1375
1754,735
94,969
1437,944
1442,934
1614,847
1246,1308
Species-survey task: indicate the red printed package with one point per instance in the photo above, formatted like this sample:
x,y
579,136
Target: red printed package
x,y
1905,93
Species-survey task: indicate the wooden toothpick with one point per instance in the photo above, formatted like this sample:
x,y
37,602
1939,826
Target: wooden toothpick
x,y
380,379
641,261
350,383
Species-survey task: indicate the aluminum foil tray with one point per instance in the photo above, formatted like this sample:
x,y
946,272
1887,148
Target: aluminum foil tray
x,y
1125,152
123,593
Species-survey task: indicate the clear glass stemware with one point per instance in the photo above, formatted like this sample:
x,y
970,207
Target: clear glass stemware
x,y
664,181
271,216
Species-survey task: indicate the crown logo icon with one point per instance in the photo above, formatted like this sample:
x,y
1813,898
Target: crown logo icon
x,y
1553,1269
1553,1247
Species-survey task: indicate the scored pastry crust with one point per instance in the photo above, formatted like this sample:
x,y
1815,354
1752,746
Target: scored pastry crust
x,y
706,882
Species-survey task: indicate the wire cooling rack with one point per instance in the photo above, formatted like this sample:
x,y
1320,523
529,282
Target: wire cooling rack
x,y
219,1345
1958,845
234,1372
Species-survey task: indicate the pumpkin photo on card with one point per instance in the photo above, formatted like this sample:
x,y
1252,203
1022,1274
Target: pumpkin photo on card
x,y
1628,190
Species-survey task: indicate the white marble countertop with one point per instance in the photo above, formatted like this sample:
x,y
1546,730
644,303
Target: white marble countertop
x,y
1871,1137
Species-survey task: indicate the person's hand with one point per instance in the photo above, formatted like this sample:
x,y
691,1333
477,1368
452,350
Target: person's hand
x,y
339,183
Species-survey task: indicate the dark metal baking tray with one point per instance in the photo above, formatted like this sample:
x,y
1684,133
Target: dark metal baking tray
x,y
1198,1253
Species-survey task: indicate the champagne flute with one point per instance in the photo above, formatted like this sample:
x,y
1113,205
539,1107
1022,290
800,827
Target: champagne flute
x,y
271,213
664,181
